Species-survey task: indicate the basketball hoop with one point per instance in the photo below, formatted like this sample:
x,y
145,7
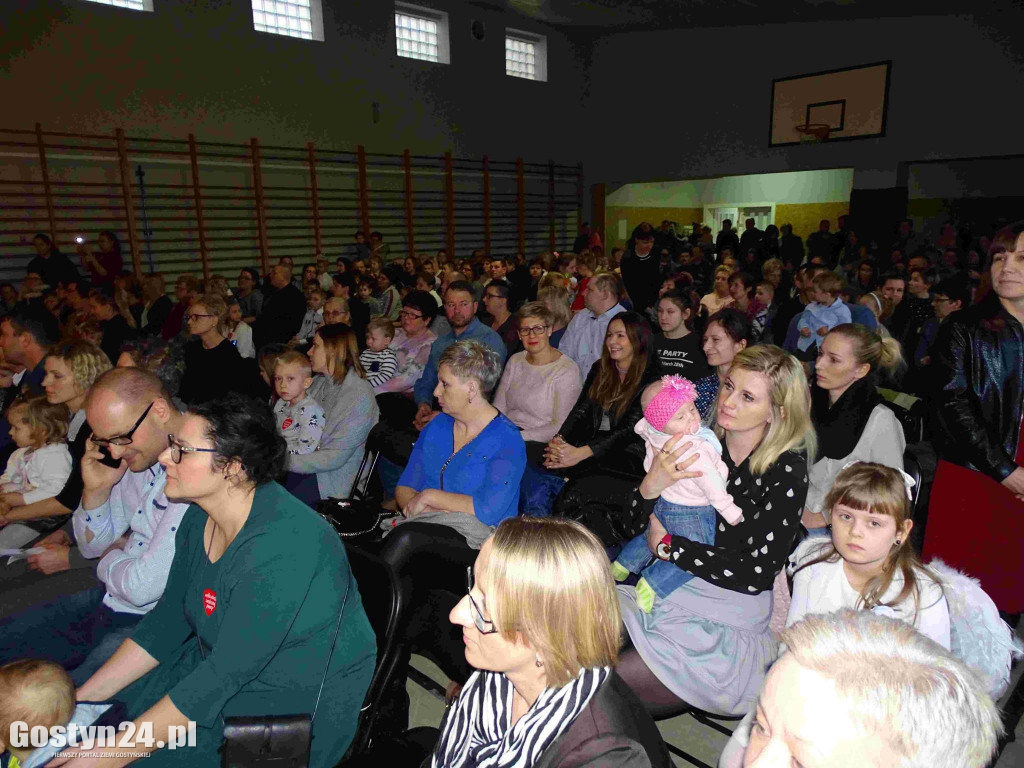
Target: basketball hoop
x,y
813,133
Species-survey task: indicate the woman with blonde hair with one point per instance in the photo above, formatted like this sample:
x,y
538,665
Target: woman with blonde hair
x,y
540,624
71,368
213,366
708,643
851,419
341,389
556,299
720,297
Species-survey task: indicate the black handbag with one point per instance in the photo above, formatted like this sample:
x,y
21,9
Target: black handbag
x,y
352,517
360,514
273,741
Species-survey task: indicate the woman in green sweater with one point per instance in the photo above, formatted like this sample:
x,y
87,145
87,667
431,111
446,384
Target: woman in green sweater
x,y
262,581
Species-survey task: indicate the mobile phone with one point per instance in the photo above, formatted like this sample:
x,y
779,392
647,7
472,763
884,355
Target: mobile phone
x,y
108,460
79,239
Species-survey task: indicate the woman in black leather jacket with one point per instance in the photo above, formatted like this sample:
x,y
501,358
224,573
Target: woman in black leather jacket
x,y
976,515
599,428
597,438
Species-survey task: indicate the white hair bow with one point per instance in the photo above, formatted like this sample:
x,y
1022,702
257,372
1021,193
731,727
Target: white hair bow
x,y
908,481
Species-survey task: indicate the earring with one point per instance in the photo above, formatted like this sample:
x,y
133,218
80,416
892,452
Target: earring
x,y
538,662
897,542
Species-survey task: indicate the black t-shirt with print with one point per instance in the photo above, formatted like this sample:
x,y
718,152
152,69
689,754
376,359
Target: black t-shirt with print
x,y
682,356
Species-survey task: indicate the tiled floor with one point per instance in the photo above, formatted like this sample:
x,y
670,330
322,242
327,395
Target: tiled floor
x,y
684,731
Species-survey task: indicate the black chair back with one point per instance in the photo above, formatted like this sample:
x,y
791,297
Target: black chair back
x,y
383,601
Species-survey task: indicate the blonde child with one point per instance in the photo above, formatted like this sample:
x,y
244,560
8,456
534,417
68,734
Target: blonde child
x,y
869,563
41,465
314,316
378,359
34,692
300,419
824,313
688,507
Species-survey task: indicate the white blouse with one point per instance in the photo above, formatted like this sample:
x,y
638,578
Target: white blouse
x,y
824,588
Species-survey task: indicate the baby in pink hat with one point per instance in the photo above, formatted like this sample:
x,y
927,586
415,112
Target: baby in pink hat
x,y
687,508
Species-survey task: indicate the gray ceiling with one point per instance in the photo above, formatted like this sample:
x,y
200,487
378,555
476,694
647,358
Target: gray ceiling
x,y
620,15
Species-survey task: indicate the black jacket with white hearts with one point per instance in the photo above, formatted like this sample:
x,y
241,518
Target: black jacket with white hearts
x,y
747,557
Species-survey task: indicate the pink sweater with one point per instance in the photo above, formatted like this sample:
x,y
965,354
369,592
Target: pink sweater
x,y
709,488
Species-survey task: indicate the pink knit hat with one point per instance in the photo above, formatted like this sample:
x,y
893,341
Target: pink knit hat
x,y
675,391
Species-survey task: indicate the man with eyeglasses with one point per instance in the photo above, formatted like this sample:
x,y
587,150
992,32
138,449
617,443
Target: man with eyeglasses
x,y
124,520
948,296
584,337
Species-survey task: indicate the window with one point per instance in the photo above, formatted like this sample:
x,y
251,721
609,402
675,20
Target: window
x,y
421,33
295,18
525,55
134,5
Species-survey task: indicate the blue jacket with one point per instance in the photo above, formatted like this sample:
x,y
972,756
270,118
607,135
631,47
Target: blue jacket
x,y
858,313
423,391
488,468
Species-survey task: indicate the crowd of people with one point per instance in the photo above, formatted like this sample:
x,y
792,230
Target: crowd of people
x,y
622,451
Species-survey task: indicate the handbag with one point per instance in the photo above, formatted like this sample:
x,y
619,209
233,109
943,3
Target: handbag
x,y
351,518
360,514
602,504
273,741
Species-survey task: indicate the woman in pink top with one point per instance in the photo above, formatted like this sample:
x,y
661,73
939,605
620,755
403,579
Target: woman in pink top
x,y
537,390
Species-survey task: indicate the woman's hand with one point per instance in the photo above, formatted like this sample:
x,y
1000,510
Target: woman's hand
x,y
565,455
11,499
668,467
420,504
655,533
812,519
1014,482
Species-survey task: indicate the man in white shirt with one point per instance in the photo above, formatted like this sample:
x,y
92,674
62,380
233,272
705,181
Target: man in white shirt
x,y
124,519
584,338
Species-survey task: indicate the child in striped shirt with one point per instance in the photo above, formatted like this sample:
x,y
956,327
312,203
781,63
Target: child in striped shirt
x,y
378,360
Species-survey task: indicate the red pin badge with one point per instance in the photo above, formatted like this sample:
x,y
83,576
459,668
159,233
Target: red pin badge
x,y
286,423
209,601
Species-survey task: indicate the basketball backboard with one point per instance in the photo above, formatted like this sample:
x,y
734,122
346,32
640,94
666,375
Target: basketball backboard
x,y
852,101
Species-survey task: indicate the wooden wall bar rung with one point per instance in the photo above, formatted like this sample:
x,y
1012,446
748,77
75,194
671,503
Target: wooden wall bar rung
x,y
487,204
552,245
364,193
410,228
261,214
449,205
579,198
315,193
197,198
134,244
44,170
520,205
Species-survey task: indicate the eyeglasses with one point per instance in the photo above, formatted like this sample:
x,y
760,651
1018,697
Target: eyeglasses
x,y
194,316
940,300
409,314
533,330
126,438
177,449
478,616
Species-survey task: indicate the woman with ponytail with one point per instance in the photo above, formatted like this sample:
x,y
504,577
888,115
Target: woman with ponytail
x,y
850,417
